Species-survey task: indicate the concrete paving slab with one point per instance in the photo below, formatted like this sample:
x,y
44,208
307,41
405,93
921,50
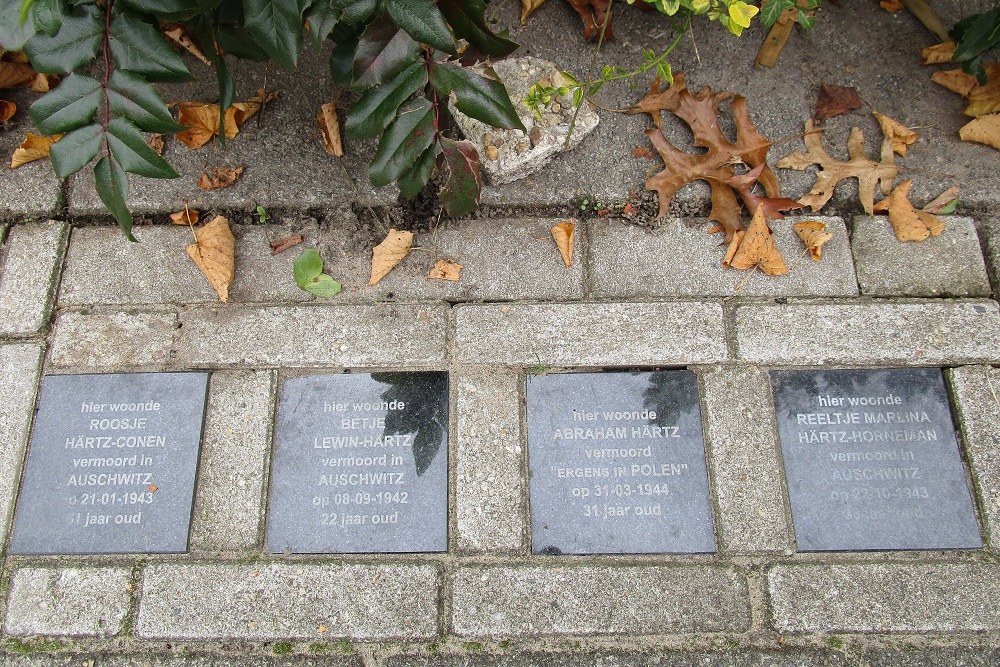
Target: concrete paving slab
x,y
744,457
288,601
342,335
31,191
977,407
235,450
870,597
680,259
588,600
68,602
489,504
947,265
989,233
107,339
605,334
927,333
30,272
20,365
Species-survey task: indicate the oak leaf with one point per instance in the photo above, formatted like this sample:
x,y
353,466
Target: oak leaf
x,y
831,171
219,177
390,252
756,247
813,234
34,147
446,269
938,54
562,234
909,223
214,252
717,165
898,134
835,100
983,130
329,127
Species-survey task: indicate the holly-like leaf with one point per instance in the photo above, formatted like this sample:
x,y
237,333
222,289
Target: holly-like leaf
x,y
130,96
357,11
460,194
14,33
72,104
112,188
47,15
413,181
322,18
404,142
76,149
467,19
423,21
172,10
277,26
131,151
484,99
139,47
383,51
74,45
371,114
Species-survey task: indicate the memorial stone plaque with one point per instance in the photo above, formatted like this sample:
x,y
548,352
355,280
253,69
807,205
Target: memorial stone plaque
x,y
111,464
360,464
872,461
617,464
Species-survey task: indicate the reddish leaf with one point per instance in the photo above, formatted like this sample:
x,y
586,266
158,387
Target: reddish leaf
x,y
460,194
835,100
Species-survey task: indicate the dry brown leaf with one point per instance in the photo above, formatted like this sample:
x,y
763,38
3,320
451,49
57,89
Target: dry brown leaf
x,y
219,177
281,245
188,216
178,34
329,127
813,234
34,147
938,53
831,171
891,6
593,13
909,223
202,120
948,196
955,80
15,75
835,100
734,245
445,269
390,252
562,234
717,164
757,248
43,83
152,488
985,100
7,110
983,130
528,6
898,134
214,252
155,142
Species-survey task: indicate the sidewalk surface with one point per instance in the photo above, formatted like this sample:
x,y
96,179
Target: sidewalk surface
x,y
76,298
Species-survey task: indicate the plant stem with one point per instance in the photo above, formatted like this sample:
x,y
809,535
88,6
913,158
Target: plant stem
x,y
106,48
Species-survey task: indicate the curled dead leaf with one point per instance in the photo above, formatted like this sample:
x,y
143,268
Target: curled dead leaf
x,y
446,269
188,216
528,6
813,234
43,83
15,75
7,110
179,35
155,142
983,130
214,252
909,223
34,147
891,6
937,204
899,135
281,245
219,177
757,248
562,234
938,54
390,252
202,120
835,100
955,80
329,127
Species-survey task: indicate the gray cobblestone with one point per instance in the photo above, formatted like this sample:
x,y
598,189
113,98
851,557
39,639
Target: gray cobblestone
x,y
912,334
947,265
681,259
489,485
30,271
977,390
103,268
73,602
105,339
20,365
288,601
234,455
745,461
32,190
940,597
594,334
342,335
534,601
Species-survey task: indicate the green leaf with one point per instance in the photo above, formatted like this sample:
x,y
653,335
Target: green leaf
x,y
112,188
277,26
69,105
771,11
74,45
48,16
323,286
467,20
238,42
949,208
383,52
172,10
14,33
412,182
403,142
139,47
322,18
371,114
423,21
484,99
357,11
307,267
130,96
75,150
460,194
342,62
131,151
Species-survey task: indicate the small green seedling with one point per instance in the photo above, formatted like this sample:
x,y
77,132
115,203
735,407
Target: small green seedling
x,y
262,215
308,272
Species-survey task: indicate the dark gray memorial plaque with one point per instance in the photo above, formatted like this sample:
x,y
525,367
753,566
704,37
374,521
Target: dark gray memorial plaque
x,y
360,464
617,464
111,465
872,461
